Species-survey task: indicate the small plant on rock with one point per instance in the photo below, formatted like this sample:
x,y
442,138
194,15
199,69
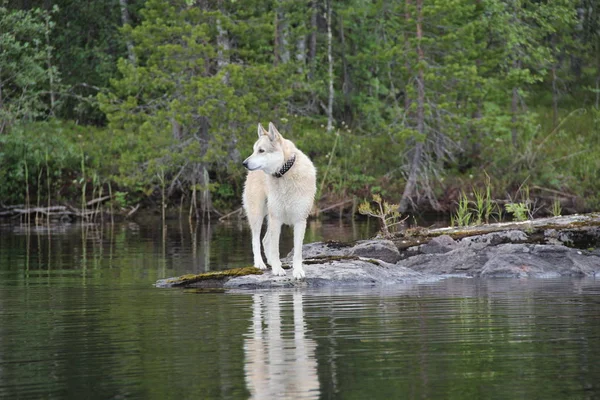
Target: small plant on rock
x,y
556,208
388,214
519,211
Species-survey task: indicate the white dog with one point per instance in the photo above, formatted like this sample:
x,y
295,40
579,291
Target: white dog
x,y
281,184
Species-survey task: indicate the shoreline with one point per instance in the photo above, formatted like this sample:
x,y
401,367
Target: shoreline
x,y
544,248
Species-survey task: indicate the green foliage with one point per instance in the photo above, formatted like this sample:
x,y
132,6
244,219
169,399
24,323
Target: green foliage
x,y
25,65
556,208
180,108
509,87
49,149
388,214
519,211
483,204
463,215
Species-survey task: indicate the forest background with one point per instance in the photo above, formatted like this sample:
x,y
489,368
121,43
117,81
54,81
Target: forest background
x,y
157,101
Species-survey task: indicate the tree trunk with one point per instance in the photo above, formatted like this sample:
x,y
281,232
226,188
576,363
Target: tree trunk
x,y
3,121
312,52
176,130
597,73
513,109
223,47
49,65
407,100
415,166
301,53
330,62
283,34
346,85
554,98
125,20
411,183
276,40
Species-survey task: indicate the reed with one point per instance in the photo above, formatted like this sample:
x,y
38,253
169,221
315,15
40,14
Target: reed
x,y
83,186
556,208
463,215
48,186
162,180
112,214
27,202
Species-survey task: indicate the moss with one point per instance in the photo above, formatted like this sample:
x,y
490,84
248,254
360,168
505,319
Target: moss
x,y
213,275
332,244
328,259
331,259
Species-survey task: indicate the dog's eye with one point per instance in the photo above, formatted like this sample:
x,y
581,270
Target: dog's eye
x,y
261,150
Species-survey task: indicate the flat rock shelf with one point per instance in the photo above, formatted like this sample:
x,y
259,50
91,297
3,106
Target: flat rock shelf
x,y
543,248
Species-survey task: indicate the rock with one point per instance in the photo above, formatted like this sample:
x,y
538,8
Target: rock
x,y
584,237
438,245
494,239
344,272
486,252
319,249
507,260
461,261
384,250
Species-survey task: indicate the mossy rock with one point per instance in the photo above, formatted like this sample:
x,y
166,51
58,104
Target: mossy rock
x,y
208,279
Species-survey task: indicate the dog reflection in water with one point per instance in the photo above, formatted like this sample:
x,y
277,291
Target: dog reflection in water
x,y
280,364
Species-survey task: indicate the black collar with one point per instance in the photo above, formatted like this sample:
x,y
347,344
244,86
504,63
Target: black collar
x,y
286,167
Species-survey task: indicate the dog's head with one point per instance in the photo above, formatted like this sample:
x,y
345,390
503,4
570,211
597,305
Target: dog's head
x,y
268,151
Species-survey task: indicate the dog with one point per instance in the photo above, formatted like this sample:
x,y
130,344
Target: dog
x,y
280,185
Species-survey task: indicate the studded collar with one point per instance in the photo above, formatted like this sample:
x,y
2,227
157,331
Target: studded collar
x,y
286,167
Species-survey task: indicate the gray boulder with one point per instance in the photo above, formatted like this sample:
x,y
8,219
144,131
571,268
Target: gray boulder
x,y
480,258
494,239
384,250
320,249
439,245
461,261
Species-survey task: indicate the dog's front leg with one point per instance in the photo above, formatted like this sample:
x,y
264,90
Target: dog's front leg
x,y
272,250
299,230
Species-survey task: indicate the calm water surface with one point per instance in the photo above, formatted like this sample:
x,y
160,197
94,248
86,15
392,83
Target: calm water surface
x,y
79,318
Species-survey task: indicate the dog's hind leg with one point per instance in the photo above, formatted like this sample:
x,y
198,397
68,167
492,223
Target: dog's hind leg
x,y
299,230
266,242
272,249
256,226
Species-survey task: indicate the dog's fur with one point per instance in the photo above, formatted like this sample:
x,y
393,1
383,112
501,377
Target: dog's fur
x,y
285,200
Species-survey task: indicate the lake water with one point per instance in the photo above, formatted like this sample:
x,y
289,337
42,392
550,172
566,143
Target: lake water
x,y
80,319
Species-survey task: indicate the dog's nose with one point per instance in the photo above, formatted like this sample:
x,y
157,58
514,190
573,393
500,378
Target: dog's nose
x,y
245,163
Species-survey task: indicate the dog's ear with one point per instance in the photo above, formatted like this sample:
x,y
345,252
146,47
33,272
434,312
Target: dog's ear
x,y
274,133
261,130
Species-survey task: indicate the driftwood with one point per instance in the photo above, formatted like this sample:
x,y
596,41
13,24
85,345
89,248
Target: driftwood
x,y
52,212
98,200
226,216
343,203
133,210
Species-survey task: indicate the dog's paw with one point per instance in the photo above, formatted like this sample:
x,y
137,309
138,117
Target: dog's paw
x,y
278,271
299,273
260,264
